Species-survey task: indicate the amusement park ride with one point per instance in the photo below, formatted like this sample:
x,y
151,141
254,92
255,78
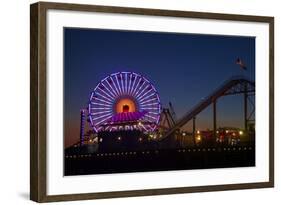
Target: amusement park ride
x,y
125,110
124,101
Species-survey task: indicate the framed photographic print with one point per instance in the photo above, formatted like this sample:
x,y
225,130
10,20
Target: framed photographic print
x,y
134,102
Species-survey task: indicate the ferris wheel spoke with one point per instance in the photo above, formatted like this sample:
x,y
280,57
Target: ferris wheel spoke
x,y
155,113
98,113
144,94
119,87
100,93
108,96
147,115
102,116
140,91
101,104
147,101
148,96
108,117
112,89
101,100
158,119
122,83
158,97
91,121
104,98
134,81
130,83
92,95
100,108
149,127
126,83
150,104
149,108
134,90
133,84
116,89
99,128
109,89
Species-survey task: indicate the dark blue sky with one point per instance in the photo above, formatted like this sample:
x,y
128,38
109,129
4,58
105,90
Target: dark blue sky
x,y
183,67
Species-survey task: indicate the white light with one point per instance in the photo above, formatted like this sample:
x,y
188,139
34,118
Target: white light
x,y
113,94
120,90
126,81
129,84
132,87
109,97
96,118
150,117
146,97
112,89
142,90
102,121
134,90
101,104
102,112
143,106
116,89
150,100
122,84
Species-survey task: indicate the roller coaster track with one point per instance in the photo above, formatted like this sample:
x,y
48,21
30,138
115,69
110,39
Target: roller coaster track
x,y
233,86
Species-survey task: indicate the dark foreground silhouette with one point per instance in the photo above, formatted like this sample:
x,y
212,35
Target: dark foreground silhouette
x,y
158,160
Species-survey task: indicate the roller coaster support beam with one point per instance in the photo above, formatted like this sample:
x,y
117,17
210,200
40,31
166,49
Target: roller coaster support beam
x,y
214,119
246,109
193,128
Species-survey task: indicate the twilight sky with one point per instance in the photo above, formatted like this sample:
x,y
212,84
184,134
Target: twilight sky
x,y
184,68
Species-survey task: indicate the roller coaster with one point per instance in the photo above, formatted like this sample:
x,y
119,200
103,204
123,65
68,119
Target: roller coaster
x,y
233,86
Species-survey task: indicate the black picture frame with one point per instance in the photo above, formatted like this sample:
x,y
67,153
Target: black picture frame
x,y
38,90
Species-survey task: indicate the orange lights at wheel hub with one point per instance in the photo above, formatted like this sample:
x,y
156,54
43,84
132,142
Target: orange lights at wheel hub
x,y
125,105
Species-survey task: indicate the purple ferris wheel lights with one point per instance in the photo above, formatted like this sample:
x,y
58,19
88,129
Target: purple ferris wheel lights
x,y
129,90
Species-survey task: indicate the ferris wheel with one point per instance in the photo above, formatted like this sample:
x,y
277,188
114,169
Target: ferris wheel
x,y
124,98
